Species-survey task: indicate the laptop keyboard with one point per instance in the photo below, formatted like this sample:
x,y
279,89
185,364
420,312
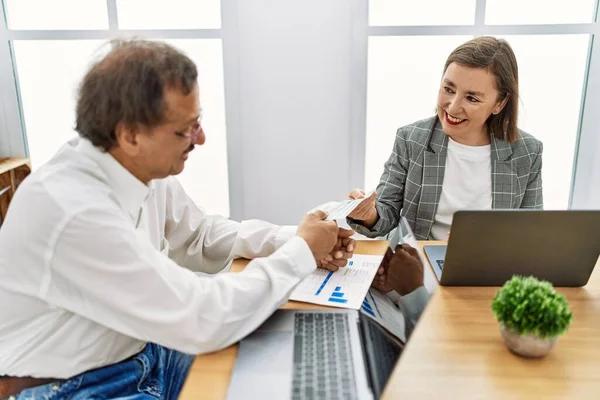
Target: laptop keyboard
x,y
322,357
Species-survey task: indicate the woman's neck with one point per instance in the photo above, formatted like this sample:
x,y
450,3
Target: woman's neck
x,y
482,138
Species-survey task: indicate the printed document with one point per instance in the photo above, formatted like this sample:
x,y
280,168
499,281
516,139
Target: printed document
x,y
339,209
345,288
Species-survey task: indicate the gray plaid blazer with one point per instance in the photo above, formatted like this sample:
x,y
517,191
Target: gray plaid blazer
x,y
411,183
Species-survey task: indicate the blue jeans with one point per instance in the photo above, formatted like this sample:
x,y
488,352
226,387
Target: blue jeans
x,y
154,373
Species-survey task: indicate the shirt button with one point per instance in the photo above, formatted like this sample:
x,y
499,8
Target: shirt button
x,y
55,387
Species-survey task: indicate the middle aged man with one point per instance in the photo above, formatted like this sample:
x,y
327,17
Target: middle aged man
x,y
98,295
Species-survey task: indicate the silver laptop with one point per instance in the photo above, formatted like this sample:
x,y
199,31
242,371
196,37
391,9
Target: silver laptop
x,y
316,354
486,248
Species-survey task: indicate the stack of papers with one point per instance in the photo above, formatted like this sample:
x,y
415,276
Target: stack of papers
x,y
345,288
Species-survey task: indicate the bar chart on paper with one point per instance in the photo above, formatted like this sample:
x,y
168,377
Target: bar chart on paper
x,y
346,288
383,310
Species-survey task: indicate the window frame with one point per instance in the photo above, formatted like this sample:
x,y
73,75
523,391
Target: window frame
x,y
13,134
587,147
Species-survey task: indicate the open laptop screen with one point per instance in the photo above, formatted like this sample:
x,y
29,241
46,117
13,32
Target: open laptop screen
x,y
402,234
381,352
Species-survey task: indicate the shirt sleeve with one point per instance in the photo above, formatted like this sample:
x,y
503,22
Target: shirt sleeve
x,y
390,191
412,306
206,243
102,269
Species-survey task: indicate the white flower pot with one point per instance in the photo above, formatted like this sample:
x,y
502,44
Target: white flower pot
x,y
527,345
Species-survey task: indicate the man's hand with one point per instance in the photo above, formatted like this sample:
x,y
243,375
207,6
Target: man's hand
x,y
341,253
321,236
365,211
405,270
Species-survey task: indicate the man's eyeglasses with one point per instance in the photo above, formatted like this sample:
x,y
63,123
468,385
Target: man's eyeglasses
x,y
193,131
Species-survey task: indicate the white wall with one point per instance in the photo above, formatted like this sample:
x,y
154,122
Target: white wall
x,y
294,107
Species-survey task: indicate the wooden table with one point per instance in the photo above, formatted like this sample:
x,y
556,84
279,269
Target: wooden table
x,y
210,374
456,352
12,172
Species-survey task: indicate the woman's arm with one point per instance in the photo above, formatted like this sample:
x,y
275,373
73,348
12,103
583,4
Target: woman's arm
x,y
533,197
390,192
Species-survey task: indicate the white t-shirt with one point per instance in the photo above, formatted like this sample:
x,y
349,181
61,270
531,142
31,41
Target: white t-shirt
x,y
467,185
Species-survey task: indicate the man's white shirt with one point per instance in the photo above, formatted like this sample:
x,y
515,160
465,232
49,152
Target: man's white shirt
x,y
94,264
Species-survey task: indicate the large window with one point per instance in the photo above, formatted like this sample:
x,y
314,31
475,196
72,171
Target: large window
x,y
551,74
391,54
401,89
56,14
531,12
171,14
49,72
419,13
55,41
405,66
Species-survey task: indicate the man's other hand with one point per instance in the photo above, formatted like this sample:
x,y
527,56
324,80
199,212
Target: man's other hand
x,y
321,236
341,253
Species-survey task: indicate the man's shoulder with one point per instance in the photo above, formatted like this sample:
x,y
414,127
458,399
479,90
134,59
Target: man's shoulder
x,y
48,199
70,181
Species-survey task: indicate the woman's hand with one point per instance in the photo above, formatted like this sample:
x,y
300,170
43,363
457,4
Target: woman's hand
x,y
365,211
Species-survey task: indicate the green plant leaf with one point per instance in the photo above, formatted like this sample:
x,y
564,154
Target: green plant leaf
x,y
527,305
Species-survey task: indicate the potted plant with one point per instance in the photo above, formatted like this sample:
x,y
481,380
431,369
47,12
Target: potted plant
x,y
532,315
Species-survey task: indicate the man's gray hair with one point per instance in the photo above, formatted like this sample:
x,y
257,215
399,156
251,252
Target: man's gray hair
x,y
127,86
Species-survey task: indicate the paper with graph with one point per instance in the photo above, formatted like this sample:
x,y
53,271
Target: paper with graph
x,y
383,310
345,288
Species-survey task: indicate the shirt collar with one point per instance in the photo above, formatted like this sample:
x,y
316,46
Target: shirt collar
x,y
129,190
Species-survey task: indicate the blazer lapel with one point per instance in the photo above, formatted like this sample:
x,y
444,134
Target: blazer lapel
x,y
434,166
504,174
